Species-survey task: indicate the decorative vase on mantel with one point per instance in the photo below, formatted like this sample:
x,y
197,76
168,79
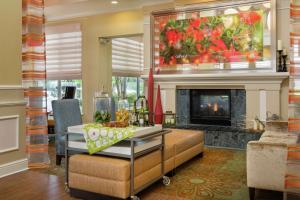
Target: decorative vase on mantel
x,y
227,65
252,65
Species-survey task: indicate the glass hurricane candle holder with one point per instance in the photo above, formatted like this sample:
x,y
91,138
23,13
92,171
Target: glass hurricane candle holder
x,y
102,107
169,118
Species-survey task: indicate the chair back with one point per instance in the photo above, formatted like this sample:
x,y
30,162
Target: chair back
x,y
66,112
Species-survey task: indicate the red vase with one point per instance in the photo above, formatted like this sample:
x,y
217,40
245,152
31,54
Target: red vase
x,y
158,118
150,95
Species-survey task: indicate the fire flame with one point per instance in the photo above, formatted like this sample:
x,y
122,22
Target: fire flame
x,y
215,107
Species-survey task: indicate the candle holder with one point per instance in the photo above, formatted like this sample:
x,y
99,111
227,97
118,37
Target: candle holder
x,y
279,69
284,68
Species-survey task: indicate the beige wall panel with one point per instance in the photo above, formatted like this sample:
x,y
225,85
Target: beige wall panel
x,y
10,75
20,153
10,42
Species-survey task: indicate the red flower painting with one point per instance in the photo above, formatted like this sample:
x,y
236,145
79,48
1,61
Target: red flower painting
x,y
215,39
250,18
173,37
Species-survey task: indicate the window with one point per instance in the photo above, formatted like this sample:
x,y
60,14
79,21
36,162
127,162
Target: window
x,y
129,87
56,90
127,66
63,61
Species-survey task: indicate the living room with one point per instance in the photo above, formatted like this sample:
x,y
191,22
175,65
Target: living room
x,y
139,99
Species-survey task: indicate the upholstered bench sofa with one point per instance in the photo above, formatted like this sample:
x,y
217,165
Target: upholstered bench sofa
x,y
111,176
267,161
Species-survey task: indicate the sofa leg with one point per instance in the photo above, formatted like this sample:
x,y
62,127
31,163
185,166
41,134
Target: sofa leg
x,y
252,193
58,159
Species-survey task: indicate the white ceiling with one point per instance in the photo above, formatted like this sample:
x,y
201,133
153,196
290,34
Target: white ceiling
x,y
66,9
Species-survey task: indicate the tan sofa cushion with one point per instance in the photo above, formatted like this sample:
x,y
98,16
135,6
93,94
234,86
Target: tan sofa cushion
x,y
181,140
188,154
112,168
110,187
98,166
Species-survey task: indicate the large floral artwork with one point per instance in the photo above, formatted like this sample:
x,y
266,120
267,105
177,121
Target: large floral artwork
x,y
214,39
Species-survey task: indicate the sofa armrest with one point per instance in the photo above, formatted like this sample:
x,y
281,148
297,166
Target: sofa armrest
x,y
266,165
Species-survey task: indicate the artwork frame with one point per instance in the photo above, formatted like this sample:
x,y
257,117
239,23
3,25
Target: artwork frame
x,y
269,61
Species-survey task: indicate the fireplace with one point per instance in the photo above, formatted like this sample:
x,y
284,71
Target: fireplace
x,y
221,113
210,107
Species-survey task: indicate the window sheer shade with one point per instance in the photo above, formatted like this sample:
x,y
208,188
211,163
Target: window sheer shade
x,y
127,56
63,52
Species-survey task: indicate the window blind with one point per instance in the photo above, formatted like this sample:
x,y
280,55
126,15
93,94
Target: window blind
x,y
127,56
63,51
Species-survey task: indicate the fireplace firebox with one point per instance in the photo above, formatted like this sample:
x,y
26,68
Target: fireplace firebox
x,y
211,107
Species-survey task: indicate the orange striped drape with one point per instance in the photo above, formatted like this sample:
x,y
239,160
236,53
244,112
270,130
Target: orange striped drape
x,y
294,68
292,179
34,82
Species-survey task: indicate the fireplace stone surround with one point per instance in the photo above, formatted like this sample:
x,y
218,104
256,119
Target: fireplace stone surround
x,y
185,108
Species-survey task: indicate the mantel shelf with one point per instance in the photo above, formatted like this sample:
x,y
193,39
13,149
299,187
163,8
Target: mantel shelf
x,y
258,76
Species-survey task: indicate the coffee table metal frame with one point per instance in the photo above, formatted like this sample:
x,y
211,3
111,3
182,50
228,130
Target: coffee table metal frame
x,y
133,142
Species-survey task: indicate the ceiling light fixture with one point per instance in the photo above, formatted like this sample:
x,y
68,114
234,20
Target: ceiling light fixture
x,y
114,2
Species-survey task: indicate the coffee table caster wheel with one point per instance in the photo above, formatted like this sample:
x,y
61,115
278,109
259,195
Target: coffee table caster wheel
x,y
67,188
135,198
166,180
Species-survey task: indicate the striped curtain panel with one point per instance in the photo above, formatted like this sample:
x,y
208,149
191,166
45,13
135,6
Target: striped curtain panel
x,y
34,83
292,181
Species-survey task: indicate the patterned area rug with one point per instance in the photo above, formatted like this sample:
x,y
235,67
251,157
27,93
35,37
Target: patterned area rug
x,y
219,175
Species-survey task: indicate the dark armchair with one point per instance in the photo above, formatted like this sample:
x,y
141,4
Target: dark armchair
x,y
66,113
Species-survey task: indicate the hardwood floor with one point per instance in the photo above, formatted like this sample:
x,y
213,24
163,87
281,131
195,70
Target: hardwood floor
x,y
33,185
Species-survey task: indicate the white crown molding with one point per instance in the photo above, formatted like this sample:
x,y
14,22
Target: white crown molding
x,y
13,103
13,167
11,87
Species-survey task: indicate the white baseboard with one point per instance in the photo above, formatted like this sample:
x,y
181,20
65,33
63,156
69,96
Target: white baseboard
x,y
13,167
